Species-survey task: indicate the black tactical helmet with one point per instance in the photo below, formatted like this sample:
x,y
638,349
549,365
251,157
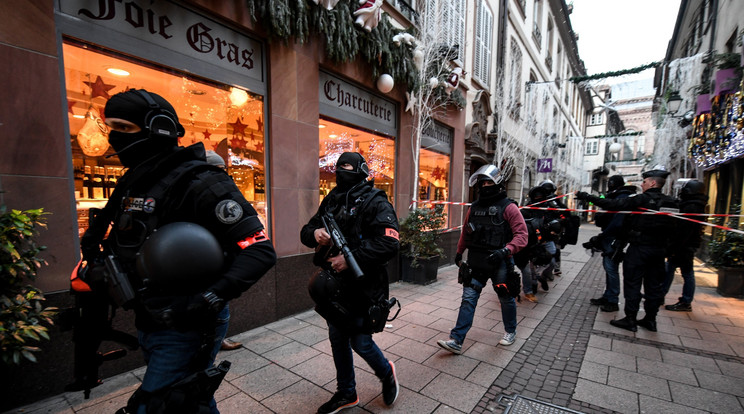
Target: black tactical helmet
x,y
549,186
693,187
180,256
615,182
537,193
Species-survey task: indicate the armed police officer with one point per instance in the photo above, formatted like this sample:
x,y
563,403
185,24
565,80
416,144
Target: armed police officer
x,y
494,230
351,290
188,242
686,242
648,236
610,242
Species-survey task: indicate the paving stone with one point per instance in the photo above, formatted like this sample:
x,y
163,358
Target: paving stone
x,y
638,383
595,372
287,325
414,350
639,350
720,383
498,356
417,332
653,405
600,342
606,396
627,362
413,375
265,381
454,392
309,335
731,369
691,361
318,369
262,340
243,362
287,401
291,354
666,371
484,374
459,366
703,399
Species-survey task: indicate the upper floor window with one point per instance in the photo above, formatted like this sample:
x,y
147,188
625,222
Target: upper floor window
x,y
483,35
515,80
453,25
592,147
596,119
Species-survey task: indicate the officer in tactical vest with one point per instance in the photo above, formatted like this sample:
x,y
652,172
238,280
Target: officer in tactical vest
x,y
686,242
609,241
354,305
494,230
648,236
188,242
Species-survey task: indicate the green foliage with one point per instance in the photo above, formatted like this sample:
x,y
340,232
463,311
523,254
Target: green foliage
x,y
420,233
344,40
727,247
22,314
727,60
612,74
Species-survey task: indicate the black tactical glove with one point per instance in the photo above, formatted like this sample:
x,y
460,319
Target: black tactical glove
x,y
185,312
580,195
498,255
458,259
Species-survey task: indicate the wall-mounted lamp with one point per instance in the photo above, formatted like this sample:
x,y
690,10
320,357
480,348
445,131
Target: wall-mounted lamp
x,y
673,102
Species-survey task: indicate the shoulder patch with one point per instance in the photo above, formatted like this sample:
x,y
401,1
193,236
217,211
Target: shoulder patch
x,y
228,211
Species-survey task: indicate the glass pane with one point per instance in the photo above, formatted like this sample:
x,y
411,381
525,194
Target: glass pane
x,y
225,119
434,176
379,151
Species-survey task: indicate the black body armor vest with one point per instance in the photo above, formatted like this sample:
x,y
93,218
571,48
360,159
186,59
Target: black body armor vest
x,y
488,230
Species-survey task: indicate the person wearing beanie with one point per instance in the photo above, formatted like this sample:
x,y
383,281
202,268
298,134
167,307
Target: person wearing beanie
x,y
610,241
347,301
171,191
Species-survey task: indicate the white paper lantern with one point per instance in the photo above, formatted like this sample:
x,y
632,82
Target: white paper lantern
x,y
385,83
615,147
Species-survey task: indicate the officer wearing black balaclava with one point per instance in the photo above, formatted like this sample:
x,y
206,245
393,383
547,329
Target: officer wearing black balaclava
x,y
181,315
369,224
648,237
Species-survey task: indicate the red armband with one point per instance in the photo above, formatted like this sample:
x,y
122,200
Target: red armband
x,y
254,238
392,233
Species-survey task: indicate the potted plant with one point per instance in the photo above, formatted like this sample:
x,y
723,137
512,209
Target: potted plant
x,y
420,234
727,256
22,314
729,72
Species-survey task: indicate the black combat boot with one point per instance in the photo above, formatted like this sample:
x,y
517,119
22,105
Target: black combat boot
x,y
648,322
627,323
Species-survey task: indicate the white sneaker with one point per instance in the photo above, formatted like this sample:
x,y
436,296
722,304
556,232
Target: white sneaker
x,y
508,338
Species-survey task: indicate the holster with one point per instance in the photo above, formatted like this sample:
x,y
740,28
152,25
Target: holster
x,y
464,275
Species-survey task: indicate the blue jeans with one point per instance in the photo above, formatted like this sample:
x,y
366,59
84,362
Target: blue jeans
x,y
342,343
529,278
169,355
684,263
470,296
612,272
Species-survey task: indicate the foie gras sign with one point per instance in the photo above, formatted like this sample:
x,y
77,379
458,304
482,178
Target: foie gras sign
x,y
176,28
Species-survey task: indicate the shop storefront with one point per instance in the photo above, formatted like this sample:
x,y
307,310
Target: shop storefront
x,y
213,76
434,164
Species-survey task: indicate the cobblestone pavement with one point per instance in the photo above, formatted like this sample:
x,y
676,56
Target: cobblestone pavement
x,y
566,354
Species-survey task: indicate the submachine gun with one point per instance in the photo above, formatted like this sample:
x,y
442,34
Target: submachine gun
x,y
339,241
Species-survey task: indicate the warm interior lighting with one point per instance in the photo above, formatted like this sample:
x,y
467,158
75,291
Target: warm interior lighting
x,y
321,126
117,72
238,97
332,136
79,116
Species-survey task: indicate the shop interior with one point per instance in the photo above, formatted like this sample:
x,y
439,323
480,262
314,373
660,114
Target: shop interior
x,y
225,119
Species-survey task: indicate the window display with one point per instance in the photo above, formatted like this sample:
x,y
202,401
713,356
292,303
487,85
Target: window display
x,y
225,119
434,169
378,150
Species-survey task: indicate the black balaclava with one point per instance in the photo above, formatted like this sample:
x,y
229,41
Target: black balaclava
x,y
691,189
488,192
135,148
615,183
346,179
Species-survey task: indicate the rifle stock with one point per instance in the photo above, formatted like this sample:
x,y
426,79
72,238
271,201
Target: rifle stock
x,y
340,242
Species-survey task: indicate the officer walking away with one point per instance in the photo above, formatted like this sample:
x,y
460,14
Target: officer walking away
x,y
611,243
187,240
355,306
216,159
686,242
648,237
494,230
550,189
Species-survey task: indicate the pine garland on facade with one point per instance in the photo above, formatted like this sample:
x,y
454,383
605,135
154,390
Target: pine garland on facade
x,y
584,78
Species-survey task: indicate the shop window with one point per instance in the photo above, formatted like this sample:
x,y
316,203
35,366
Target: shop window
x,y
379,151
434,176
225,119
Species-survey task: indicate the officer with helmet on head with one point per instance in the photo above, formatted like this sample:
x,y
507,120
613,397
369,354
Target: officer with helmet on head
x,y
186,238
686,242
648,236
494,230
353,305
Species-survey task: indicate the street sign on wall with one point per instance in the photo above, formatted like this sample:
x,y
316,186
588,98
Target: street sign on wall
x,y
545,165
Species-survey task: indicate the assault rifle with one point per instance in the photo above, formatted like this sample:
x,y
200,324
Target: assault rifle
x,y
340,242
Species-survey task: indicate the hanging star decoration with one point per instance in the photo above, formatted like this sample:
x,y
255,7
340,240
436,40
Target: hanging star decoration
x,y
237,143
206,134
238,127
259,124
70,105
99,88
411,102
260,146
437,173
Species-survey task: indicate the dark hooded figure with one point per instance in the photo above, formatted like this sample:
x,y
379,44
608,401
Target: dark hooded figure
x,y
687,240
170,196
349,303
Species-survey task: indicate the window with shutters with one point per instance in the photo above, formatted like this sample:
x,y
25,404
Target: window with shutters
x,y
483,34
445,24
592,147
515,80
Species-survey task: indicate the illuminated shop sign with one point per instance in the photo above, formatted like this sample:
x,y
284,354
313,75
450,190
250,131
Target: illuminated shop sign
x,y
437,137
176,28
344,101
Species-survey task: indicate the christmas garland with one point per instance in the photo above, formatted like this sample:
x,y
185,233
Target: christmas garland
x,y
583,78
344,41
